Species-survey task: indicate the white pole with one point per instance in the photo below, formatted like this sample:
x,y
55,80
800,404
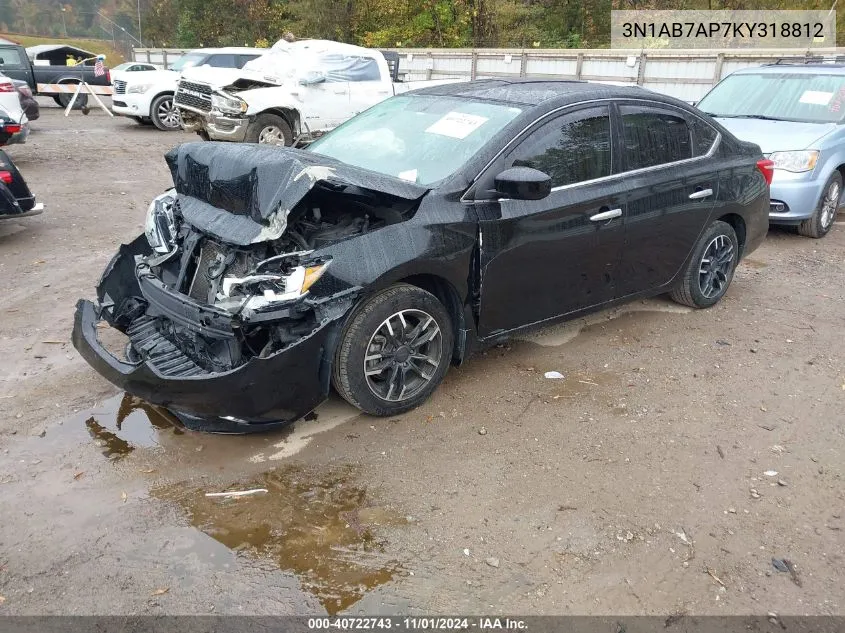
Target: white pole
x,y
73,99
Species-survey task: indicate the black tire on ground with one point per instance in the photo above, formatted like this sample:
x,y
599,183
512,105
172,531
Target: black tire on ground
x,y
164,114
424,331
269,129
711,267
64,99
818,225
57,100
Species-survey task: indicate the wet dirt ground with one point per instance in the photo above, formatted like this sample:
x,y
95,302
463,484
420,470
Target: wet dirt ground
x,y
680,453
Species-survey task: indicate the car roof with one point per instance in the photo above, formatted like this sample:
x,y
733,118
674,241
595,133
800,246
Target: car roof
x,y
533,92
799,68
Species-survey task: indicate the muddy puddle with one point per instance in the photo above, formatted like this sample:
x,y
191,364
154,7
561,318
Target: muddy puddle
x,y
319,525
127,430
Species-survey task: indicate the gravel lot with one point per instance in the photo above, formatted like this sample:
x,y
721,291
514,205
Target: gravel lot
x,y
641,483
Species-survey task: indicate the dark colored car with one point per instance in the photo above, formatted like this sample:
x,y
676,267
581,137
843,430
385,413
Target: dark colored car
x,y
16,200
28,101
428,226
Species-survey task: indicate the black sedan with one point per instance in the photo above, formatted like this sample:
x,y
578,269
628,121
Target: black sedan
x,y
429,226
16,200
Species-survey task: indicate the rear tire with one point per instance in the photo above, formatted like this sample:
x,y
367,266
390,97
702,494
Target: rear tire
x,y
164,113
269,129
64,98
711,268
819,224
394,350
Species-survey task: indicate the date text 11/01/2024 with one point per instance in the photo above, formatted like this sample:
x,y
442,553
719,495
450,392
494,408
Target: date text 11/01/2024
x,y
410,623
734,30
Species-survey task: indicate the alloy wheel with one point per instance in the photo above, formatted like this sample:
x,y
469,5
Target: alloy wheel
x,y
716,265
830,205
168,114
271,135
403,355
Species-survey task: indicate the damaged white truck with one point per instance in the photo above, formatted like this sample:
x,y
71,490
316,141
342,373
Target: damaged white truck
x,y
294,93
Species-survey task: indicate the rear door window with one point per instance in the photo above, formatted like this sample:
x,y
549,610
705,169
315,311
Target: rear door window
x,y
704,135
572,148
654,136
222,61
243,59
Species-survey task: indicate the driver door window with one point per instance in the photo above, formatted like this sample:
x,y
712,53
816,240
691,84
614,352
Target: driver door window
x,y
572,148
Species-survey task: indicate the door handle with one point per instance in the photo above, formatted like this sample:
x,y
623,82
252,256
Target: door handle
x,y
701,194
606,215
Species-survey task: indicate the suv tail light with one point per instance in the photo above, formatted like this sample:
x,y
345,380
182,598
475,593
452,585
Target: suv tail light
x,y
7,87
767,168
11,128
6,176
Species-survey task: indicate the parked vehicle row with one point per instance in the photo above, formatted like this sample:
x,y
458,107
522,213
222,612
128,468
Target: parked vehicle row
x,y
295,91
429,226
146,94
48,66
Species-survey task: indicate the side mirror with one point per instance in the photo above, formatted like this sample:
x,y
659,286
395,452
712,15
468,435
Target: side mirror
x,y
312,77
524,183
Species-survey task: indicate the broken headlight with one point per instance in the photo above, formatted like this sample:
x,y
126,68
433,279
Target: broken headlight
x,y
260,289
160,225
228,104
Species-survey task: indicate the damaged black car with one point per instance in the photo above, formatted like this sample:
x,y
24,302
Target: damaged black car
x,y
430,225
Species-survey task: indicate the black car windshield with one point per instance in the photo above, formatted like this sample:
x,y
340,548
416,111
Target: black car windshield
x,y
786,96
188,60
421,138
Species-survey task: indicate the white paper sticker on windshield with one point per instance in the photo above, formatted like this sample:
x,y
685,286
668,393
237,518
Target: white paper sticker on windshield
x,y
816,97
410,175
457,124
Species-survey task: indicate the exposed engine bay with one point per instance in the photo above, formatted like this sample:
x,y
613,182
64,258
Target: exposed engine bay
x,y
253,290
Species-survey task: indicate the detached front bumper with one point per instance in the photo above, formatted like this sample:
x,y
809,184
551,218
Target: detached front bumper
x,y
221,127
260,394
216,125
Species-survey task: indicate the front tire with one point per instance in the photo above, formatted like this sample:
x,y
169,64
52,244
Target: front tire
x,y
269,129
711,267
394,350
165,114
818,225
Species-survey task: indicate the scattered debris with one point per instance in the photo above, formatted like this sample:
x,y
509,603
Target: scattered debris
x,y
492,561
588,382
563,508
712,574
777,448
767,427
721,342
781,482
780,565
793,573
686,538
771,473
553,375
482,431
732,510
2,599
39,432
160,592
720,451
466,551
79,475
755,494
147,471
237,493
124,496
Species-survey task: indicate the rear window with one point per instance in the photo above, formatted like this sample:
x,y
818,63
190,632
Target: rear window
x,y
10,57
784,96
653,137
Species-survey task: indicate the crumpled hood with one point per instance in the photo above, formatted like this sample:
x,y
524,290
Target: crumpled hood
x,y
777,136
243,193
213,76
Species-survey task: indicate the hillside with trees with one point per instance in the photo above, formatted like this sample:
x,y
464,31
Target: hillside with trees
x,y
379,23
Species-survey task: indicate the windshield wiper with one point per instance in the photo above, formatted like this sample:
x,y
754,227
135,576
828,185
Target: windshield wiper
x,y
747,116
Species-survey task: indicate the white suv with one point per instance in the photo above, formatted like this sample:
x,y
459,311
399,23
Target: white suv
x,y
147,96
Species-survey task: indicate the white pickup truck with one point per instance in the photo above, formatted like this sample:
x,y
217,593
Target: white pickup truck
x,y
296,91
